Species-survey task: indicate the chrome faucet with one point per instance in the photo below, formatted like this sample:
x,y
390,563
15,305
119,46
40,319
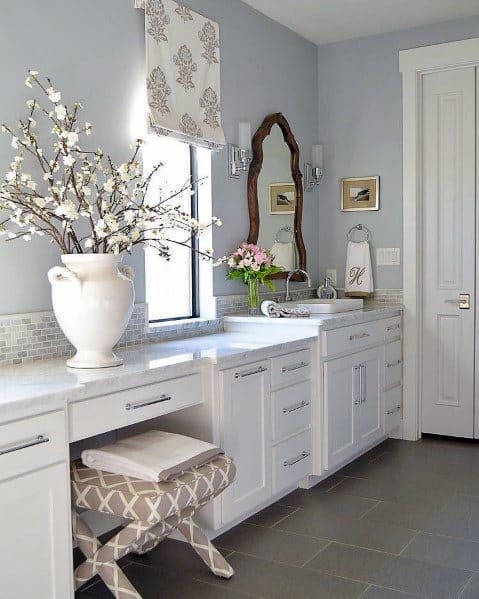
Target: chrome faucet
x,y
288,279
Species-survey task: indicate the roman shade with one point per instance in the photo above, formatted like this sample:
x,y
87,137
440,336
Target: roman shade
x,y
183,73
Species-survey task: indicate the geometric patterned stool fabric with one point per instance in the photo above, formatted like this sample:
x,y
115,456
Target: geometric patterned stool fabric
x,y
155,510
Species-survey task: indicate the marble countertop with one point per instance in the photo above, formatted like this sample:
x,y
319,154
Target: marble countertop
x,y
47,384
323,322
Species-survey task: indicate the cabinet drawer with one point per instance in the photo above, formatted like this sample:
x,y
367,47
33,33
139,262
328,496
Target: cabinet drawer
x,y
291,368
107,412
32,443
350,339
393,408
392,328
291,410
393,364
291,461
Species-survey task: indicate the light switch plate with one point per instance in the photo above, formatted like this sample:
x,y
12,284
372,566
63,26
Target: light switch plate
x,y
388,256
332,275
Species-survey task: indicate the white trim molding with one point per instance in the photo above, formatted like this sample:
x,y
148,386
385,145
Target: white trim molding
x,y
414,64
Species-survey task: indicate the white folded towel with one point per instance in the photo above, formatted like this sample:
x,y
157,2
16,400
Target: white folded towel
x,y
359,274
283,254
154,456
274,310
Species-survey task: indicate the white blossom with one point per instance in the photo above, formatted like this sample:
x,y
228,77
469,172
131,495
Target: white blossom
x,y
61,112
68,160
72,138
15,142
67,209
109,185
88,128
11,176
54,96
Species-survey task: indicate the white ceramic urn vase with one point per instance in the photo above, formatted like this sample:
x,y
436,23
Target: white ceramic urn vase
x,y
93,298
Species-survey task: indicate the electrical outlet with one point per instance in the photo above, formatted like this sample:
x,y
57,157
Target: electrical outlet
x,y
332,275
388,257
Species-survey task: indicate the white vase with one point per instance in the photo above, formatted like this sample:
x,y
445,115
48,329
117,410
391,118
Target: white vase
x,y
93,299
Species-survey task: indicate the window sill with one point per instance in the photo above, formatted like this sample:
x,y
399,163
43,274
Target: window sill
x,y
184,323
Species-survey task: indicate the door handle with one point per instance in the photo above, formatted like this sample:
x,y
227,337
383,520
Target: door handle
x,y
363,383
464,301
357,385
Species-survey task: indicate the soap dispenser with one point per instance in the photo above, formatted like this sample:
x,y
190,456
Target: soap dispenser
x,y
327,291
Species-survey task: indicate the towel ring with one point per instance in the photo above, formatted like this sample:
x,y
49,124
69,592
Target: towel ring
x,y
286,229
361,228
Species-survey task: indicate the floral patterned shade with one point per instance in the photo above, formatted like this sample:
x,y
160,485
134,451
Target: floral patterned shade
x,y
183,73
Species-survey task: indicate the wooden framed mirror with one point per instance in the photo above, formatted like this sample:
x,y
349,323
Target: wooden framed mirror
x,y
275,195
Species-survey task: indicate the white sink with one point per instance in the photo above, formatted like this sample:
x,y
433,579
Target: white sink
x,y
331,306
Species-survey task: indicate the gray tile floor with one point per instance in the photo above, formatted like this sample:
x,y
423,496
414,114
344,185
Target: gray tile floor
x,y
400,522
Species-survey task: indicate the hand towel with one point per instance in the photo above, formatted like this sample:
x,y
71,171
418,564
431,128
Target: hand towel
x,y
283,254
154,456
359,274
274,310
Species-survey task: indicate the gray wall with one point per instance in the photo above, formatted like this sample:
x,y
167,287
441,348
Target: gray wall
x,y
94,51
360,125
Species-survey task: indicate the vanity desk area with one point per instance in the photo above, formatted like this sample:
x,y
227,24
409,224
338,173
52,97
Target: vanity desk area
x,y
291,400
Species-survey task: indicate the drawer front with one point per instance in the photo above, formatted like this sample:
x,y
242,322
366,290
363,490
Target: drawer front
x,y
393,364
393,408
392,328
105,413
291,410
32,443
292,461
350,339
291,368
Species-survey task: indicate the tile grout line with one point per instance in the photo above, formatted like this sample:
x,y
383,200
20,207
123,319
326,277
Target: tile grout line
x,y
417,533
369,510
285,517
316,554
466,584
363,594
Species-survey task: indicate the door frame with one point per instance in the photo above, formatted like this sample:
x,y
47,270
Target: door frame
x,y
413,65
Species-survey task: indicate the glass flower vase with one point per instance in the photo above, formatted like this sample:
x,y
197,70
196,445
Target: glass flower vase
x,y
253,297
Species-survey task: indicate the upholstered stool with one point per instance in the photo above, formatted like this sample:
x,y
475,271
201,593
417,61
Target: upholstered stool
x,y
155,511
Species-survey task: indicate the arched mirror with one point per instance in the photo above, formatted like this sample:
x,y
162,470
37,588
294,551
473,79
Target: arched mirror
x,y
275,194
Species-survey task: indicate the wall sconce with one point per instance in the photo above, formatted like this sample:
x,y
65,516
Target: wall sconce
x,y
314,170
239,157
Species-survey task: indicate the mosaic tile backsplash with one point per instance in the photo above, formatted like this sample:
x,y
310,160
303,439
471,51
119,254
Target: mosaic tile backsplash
x,y
37,336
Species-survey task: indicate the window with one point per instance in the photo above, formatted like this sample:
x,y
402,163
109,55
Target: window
x,y
172,287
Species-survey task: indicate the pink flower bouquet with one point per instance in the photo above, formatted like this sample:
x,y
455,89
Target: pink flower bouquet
x,y
254,266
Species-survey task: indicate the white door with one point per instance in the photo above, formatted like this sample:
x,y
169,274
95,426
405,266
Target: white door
x,y
370,417
448,203
247,437
342,398
36,536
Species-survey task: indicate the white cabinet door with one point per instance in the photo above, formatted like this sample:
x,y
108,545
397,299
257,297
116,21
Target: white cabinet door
x,y
448,202
247,437
36,535
341,403
370,421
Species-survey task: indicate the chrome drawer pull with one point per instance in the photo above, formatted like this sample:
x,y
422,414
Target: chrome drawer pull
x,y
393,327
393,364
359,336
39,440
393,411
294,367
242,375
136,406
299,458
298,406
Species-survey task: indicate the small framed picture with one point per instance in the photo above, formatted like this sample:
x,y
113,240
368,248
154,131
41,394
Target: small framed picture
x,y
359,193
282,198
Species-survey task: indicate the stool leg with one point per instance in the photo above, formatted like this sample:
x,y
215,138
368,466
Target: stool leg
x,y
109,571
205,549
